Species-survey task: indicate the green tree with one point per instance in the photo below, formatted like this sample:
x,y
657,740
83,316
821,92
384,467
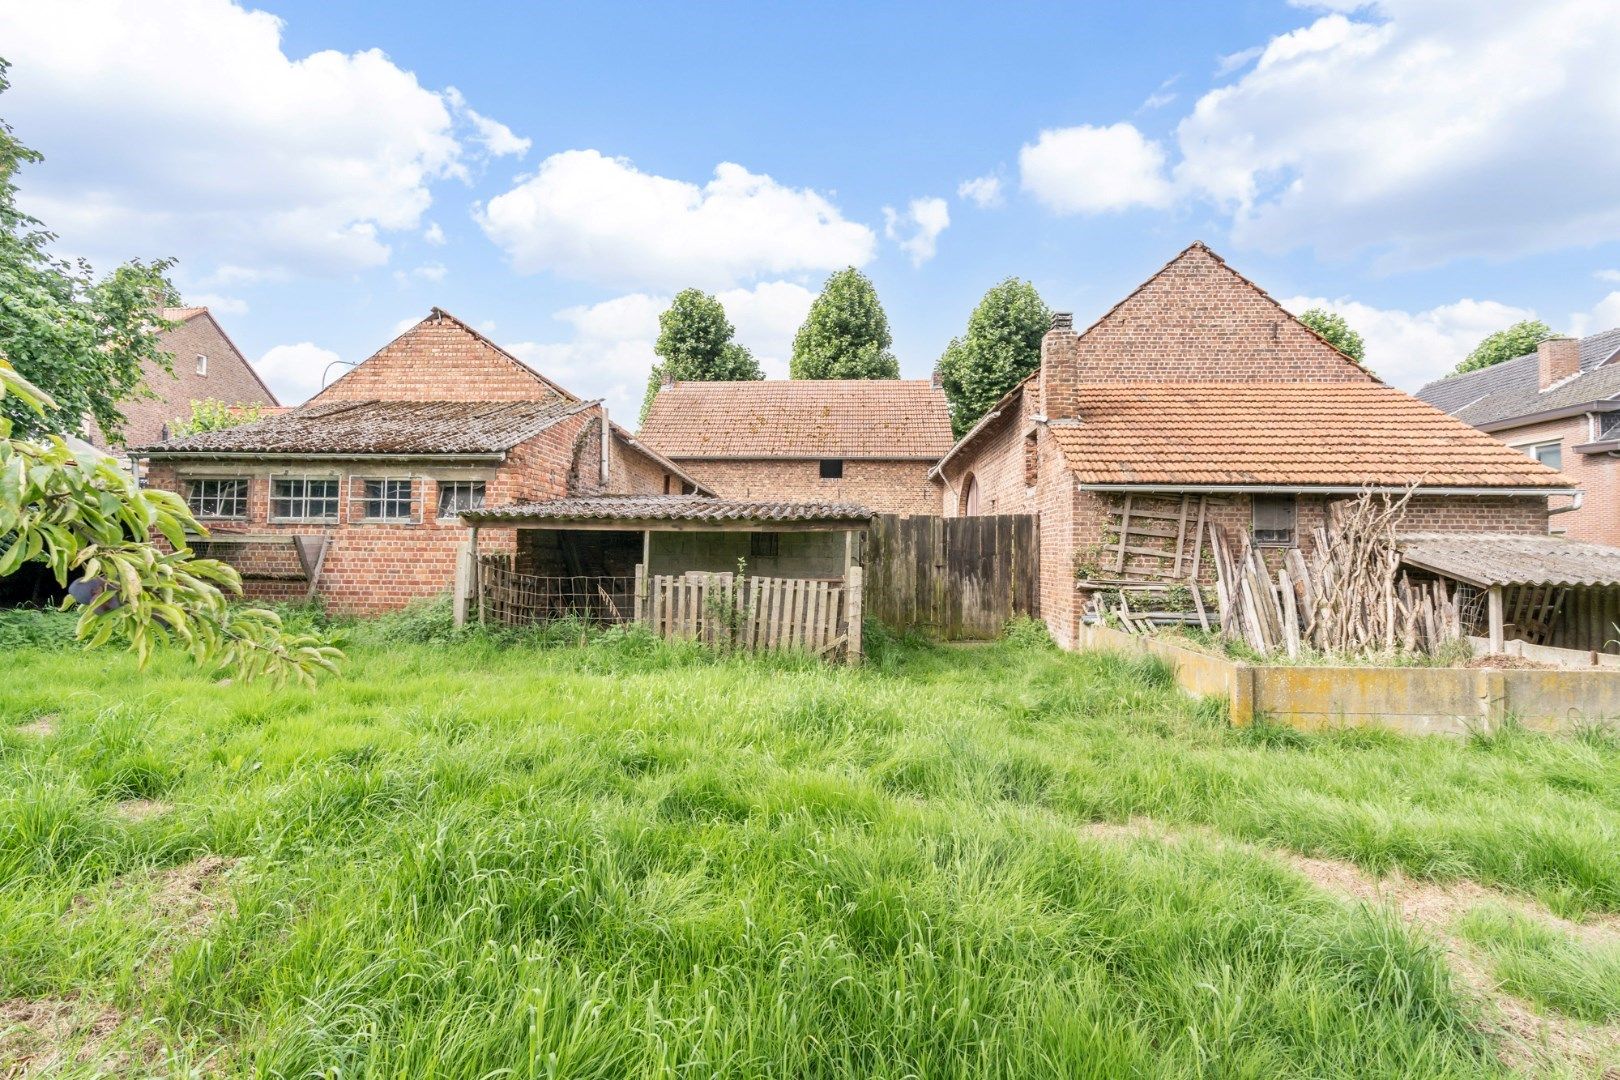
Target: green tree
x,y
1520,339
695,343
1338,332
1001,347
211,414
846,334
89,521
79,340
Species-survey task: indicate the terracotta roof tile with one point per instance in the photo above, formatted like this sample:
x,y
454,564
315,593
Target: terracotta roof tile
x,y
783,418
1294,433
382,427
669,508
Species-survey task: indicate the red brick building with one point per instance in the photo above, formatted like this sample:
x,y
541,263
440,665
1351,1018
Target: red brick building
x,y
354,496
1561,406
206,364
1199,389
864,441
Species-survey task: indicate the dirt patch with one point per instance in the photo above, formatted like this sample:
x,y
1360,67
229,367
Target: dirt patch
x,y
41,727
188,897
1504,662
1527,1040
141,809
39,1037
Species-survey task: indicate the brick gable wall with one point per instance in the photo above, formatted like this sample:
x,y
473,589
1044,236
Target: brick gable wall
x,y
229,379
371,566
439,360
1598,475
884,487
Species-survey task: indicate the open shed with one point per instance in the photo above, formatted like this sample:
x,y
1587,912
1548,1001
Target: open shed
x,y
1546,590
789,571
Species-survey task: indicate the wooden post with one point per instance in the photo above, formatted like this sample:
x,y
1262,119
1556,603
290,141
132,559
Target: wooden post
x,y
464,572
477,573
642,612
853,615
646,549
1494,613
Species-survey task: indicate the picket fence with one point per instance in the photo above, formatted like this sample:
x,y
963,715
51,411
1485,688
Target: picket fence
x,y
757,614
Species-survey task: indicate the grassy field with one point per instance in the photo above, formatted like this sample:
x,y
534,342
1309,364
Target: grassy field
x,y
622,859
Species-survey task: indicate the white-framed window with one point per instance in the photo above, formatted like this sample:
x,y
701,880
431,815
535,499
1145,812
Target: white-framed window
x,y
1550,454
1607,427
386,500
304,498
458,495
1274,520
202,363
224,497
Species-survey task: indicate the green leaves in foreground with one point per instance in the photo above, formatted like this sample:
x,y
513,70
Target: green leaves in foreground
x,y
87,519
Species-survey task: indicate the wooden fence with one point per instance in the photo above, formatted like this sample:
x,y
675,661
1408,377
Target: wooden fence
x,y
960,578
757,614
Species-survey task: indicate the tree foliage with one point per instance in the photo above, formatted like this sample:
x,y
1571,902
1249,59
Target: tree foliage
x,y
1002,346
846,335
695,343
1520,339
89,521
212,414
1337,331
81,341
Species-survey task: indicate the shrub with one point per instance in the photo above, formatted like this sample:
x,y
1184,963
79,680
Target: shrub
x,y
38,628
1024,632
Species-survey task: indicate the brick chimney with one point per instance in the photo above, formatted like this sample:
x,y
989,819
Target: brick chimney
x,y
1060,369
1559,358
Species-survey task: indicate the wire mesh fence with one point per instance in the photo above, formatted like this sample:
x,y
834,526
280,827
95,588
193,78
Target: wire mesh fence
x,y
513,599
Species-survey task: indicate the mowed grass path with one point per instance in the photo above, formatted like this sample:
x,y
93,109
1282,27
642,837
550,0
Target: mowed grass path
x,y
626,860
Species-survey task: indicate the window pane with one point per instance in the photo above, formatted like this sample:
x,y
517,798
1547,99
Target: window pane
x,y
832,470
218,498
458,495
1550,455
302,498
388,500
1274,519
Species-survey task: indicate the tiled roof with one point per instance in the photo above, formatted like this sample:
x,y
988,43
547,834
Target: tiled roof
x,y
669,508
1513,388
800,418
1500,559
181,314
1294,434
382,427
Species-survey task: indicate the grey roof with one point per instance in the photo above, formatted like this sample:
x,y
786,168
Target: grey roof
x,y
1513,388
1487,559
382,427
667,508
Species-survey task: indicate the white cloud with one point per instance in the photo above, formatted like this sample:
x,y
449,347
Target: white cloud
x,y
433,234
294,371
1230,62
982,191
433,272
1410,348
1157,100
495,137
917,230
1419,129
1092,170
1607,275
190,131
1604,315
611,351
589,216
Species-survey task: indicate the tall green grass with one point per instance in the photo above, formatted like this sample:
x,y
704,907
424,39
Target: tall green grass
x,y
479,857
1547,965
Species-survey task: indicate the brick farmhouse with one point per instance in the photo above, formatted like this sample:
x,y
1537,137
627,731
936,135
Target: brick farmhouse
x,y
1199,386
206,365
1561,406
863,441
354,496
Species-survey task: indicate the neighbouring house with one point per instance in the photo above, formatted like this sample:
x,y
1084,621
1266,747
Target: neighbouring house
x,y
1561,406
354,496
206,364
865,441
1198,401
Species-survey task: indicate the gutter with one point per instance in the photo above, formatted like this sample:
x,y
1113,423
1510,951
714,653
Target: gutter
x,y
1574,504
1338,489
1549,414
242,455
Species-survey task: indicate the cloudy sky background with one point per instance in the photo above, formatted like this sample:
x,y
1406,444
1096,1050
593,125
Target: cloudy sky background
x,y
1434,169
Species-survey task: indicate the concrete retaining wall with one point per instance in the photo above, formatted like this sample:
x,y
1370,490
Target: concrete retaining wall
x,y
1417,700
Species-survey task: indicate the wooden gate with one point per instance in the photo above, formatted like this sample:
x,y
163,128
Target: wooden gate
x,y
961,578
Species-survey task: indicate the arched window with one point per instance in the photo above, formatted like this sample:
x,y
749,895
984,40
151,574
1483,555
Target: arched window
x,y
970,496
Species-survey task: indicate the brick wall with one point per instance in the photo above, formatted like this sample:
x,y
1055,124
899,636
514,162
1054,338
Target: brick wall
x,y
885,487
229,379
439,360
374,566
1598,475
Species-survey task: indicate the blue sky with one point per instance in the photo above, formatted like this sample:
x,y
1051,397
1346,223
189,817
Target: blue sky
x,y
326,172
